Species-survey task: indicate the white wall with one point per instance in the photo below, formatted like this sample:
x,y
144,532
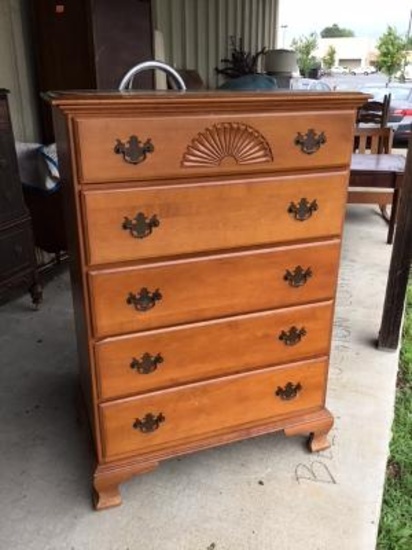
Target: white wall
x,y
360,50
196,32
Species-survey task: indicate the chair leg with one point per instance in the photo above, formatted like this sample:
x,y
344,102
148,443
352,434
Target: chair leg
x,y
384,212
394,212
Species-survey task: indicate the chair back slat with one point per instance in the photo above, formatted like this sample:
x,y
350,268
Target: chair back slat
x,y
373,140
374,112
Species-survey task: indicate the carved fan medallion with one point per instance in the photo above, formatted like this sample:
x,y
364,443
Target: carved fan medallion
x,y
228,139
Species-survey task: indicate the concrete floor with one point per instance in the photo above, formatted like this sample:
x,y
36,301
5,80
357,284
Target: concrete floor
x,y
267,493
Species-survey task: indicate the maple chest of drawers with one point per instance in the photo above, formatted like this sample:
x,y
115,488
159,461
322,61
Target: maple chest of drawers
x,y
205,238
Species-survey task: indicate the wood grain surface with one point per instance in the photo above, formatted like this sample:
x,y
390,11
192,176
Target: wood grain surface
x,y
208,408
209,217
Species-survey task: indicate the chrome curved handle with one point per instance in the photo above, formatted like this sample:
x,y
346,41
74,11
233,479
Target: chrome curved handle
x,y
127,80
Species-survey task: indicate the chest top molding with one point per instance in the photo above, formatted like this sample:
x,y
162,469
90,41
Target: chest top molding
x,y
179,103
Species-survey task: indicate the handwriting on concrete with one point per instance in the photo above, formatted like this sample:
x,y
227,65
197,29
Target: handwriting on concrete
x,y
322,468
316,471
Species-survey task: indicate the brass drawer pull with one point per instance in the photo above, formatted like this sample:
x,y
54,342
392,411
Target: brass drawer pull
x,y
293,336
147,363
140,226
298,277
303,210
144,299
289,392
310,142
134,151
149,423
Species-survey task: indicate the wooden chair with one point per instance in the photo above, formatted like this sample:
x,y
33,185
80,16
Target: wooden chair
x,y
374,112
190,77
375,141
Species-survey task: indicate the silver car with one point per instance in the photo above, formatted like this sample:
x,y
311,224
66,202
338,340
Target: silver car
x,y
310,85
400,109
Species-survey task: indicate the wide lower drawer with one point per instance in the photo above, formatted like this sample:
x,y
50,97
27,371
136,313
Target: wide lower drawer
x,y
140,298
164,358
129,224
166,419
131,148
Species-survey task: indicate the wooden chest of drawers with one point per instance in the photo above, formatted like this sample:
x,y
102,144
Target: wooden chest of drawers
x,y
205,238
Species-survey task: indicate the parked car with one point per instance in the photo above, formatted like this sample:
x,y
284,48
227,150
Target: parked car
x,y
338,70
363,70
400,110
309,84
405,73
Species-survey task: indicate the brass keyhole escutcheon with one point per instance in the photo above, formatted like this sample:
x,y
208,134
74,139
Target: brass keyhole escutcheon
x,y
140,226
289,392
303,210
147,363
298,276
310,142
144,299
134,151
149,423
293,336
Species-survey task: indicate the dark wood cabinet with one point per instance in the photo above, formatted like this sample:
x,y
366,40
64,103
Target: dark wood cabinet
x,y
17,257
88,44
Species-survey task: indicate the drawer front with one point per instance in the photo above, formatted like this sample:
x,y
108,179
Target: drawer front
x,y
16,250
164,294
197,218
166,419
147,148
12,204
164,358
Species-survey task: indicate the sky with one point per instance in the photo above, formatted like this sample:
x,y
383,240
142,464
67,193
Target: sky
x,y
367,18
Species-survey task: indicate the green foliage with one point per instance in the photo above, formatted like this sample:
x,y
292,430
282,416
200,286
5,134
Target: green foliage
x,y
329,59
334,31
241,62
395,528
304,47
391,48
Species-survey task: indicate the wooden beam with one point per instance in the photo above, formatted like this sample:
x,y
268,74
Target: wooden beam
x,y
399,267
369,197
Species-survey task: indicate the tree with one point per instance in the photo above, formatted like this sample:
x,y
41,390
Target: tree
x,y
391,48
334,31
304,47
329,59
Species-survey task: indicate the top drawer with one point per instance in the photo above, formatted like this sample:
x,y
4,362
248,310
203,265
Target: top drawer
x,y
124,148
